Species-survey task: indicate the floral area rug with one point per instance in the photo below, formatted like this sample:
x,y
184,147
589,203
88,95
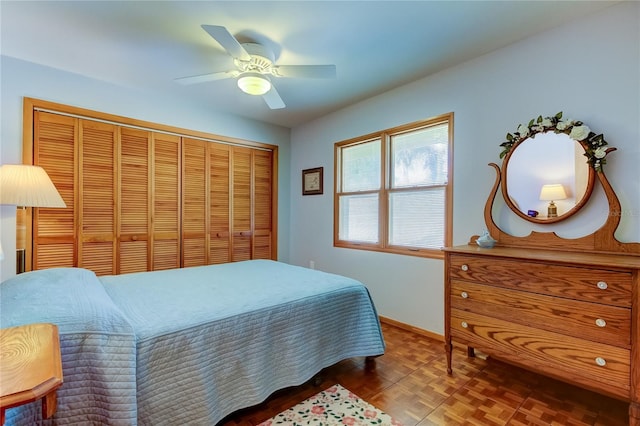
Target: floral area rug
x,y
333,406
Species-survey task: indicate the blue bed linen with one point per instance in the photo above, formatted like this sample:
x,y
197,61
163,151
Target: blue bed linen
x,y
214,339
96,341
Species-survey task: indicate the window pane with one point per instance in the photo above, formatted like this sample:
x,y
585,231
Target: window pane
x,y
359,218
405,171
420,157
361,167
416,218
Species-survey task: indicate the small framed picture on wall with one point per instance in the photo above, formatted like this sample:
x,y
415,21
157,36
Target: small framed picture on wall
x,y
312,181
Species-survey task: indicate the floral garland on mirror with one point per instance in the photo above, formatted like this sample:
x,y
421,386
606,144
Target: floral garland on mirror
x,y
595,146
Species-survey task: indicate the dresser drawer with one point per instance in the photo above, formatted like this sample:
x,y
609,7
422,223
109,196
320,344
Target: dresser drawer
x,y
576,360
587,284
586,320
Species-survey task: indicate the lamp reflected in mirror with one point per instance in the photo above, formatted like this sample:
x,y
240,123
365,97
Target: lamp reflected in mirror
x,y
551,193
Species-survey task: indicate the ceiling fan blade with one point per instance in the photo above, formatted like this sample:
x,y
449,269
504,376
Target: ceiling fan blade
x,y
226,40
305,71
273,99
206,77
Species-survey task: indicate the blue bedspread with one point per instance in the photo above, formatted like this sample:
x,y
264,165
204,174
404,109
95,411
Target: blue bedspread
x,y
96,340
211,340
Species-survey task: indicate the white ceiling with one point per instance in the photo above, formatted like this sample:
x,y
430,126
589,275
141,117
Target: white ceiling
x,y
375,45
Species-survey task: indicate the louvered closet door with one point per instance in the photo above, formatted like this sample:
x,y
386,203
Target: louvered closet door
x,y
97,197
54,229
140,200
220,241
166,201
241,199
134,221
195,212
262,210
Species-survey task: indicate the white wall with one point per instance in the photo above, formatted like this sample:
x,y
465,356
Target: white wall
x,y
23,79
590,69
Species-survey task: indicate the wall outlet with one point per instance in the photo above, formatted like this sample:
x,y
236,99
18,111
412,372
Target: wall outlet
x,y
312,264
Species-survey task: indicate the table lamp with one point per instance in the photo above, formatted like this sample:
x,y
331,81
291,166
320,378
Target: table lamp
x,y
551,193
25,186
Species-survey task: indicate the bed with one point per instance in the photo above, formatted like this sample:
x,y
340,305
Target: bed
x,y
191,345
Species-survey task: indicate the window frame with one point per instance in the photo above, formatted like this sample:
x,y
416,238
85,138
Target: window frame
x,y
385,190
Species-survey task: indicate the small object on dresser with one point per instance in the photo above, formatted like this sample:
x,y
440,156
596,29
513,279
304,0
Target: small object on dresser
x,y
485,240
532,213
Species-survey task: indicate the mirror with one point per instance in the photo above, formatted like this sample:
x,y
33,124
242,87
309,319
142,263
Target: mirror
x,y
545,175
549,159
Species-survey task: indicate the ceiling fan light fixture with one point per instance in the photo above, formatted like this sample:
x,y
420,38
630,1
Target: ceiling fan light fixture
x,y
254,83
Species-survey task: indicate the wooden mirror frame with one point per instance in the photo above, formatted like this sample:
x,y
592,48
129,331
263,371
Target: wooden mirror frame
x,y
507,198
602,240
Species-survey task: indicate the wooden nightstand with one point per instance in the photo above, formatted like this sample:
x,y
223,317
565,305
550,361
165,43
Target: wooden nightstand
x,y
30,367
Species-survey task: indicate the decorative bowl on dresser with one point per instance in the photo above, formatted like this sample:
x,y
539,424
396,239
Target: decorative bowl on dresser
x,y
566,308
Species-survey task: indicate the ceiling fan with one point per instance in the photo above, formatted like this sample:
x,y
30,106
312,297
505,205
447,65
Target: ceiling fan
x,y
255,67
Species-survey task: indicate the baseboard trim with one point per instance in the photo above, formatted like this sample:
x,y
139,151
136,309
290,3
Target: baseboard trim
x,y
417,330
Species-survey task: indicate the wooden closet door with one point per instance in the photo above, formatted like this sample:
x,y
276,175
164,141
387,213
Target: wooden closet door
x,y
241,204
165,195
262,204
195,206
140,200
97,197
54,238
219,202
134,220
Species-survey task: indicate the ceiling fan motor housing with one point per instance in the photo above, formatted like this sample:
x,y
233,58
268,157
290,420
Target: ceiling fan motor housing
x,y
261,59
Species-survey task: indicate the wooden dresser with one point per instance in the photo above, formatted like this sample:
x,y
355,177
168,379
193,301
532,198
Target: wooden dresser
x,y
568,308
572,316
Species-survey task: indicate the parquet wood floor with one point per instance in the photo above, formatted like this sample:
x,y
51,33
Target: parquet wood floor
x,y
410,383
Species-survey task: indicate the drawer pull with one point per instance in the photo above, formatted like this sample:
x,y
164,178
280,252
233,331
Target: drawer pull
x,y
464,294
602,285
600,322
601,361
464,324
465,267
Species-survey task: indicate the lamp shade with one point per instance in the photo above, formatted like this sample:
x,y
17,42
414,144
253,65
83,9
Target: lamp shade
x,y
254,83
28,186
552,192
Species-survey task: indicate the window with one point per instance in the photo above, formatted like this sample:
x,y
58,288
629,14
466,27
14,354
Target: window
x,y
393,189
